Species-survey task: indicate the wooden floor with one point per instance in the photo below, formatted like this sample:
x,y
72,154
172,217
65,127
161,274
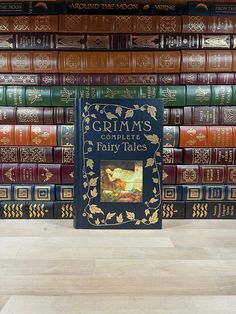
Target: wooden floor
x,y
47,267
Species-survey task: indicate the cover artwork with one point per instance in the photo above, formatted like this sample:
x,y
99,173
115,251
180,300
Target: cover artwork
x,y
118,163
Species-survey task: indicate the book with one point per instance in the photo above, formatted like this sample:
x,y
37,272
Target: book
x,y
210,210
218,156
34,24
195,174
73,79
173,210
27,8
99,42
118,148
173,96
36,115
207,136
199,192
122,62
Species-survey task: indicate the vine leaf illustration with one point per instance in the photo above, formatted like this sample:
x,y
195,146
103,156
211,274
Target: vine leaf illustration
x,y
89,163
152,111
94,209
93,181
147,212
110,216
120,218
119,111
110,115
129,113
130,215
154,139
97,222
155,180
94,192
154,218
150,162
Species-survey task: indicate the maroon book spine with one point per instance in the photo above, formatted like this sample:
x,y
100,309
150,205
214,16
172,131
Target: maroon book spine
x,y
172,156
8,115
64,155
187,174
49,173
34,154
207,156
212,174
169,174
67,174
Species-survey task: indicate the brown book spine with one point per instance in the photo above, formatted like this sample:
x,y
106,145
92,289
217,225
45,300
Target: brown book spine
x,y
35,154
22,24
176,116
202,115
7,115
119,24
121,62
9,154
210,174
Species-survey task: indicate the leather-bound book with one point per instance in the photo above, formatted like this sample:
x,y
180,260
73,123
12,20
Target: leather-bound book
x,y
64,155
225,78
67,174
173,96
7,115
211,174
34,154
172,156
171,136
221,136
40,210
43,135
169,174
13,210
22,24
119,24
9,154
219,61
210,210
65,135
36,96
193,136
194,24
176,116
49,173
202,115
173,210
63,210
187,174
218,156
20,79
208,78
172,192
193,61
64,192
21,135
188,78
231,174
199,95
166,116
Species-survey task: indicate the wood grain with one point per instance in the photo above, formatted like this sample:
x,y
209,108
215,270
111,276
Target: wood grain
x,y
48,267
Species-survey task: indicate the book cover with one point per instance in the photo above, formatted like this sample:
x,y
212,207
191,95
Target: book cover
x,y
118,163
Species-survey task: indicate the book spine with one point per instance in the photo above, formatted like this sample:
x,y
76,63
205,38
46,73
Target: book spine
x,y
173,210
210,210
172,156
50,41
63,155
27,8
26,24
13,210
119,24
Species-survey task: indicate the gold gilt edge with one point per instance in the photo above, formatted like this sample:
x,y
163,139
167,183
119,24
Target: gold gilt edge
x,y
94,214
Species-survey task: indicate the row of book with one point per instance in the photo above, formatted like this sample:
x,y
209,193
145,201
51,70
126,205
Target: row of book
x,y
56,41
115,24
150,62
202,115
65,155
170,210
172,96
23,173
52,192
73,79
63,135
114,8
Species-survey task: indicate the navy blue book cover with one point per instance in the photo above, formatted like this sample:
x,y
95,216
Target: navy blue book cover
x,y
118,163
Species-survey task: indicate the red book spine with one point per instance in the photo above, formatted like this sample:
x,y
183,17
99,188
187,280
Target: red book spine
x,y
67,174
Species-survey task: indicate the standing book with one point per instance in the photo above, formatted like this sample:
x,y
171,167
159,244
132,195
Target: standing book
x,y
118,164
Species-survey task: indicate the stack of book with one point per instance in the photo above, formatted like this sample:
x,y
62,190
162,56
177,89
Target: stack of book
x,y
55,53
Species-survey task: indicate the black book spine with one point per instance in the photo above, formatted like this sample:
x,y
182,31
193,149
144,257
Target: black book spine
x,y
27,8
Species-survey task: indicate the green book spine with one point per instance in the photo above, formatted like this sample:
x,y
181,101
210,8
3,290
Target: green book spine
x,y
64,96
222,95
15,96
3,96
199,95
38,96
173,96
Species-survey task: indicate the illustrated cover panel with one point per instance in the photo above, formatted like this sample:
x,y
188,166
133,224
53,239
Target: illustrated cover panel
x,y
118,163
